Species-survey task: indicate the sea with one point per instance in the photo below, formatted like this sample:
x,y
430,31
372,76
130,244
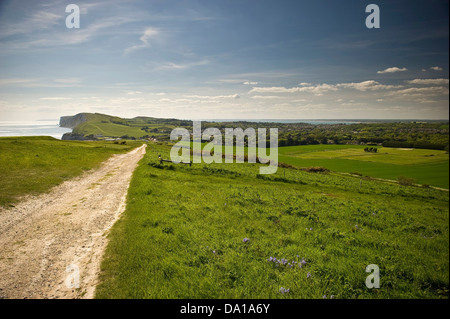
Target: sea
x,y
33,128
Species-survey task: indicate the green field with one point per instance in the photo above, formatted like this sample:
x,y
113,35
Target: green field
x,y
424,166
32,165
209,231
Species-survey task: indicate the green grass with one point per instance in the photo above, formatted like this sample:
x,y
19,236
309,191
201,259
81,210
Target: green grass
x,y
182,233
108,129
112,126
424,166
32,165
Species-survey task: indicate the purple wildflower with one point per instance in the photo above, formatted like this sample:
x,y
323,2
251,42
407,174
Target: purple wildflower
x,y
245,240
324,297
308,275
284,290
303,262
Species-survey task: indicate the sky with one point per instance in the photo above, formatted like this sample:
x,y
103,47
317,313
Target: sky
x,y
225,59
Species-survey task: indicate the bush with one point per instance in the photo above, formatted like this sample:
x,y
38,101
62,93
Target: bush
x,y
405,181
371,149
284,165
316,169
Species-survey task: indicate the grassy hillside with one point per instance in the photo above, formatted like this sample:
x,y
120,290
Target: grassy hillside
x,y
213,231
424,166
32,165
112,126
107,129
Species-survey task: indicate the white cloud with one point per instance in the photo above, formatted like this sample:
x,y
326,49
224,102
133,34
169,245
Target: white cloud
x,y
174,66
428,101
367,85
250,83
315,89
265,97
68,80
15,81
149,33
273,89
318,89
216,97
429,81
420,92
436,68
170,65
392,70
40,20
35,82
301,101
55,98
353,104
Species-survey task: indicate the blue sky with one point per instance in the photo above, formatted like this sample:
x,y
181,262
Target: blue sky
x,y
227,59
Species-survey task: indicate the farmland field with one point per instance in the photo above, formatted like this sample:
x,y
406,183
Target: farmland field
x,y
425,166
224,231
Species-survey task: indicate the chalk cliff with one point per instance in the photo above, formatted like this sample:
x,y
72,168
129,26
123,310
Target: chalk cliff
x,y
72,121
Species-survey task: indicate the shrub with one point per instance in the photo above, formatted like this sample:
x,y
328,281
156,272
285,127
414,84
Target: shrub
x,y
284,165
316,169
405,181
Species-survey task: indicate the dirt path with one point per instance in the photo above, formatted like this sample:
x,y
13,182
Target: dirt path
x,y
46,240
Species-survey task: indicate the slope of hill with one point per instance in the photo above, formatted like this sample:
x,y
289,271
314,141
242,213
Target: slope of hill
x,y
224,231
100,126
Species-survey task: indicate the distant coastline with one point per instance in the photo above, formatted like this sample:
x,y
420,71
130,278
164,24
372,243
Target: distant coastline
x,y
53,129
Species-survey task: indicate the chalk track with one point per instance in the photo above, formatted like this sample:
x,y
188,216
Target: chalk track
x,y
43,235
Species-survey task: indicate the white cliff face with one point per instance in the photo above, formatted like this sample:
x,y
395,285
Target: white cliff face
x,y
72,121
